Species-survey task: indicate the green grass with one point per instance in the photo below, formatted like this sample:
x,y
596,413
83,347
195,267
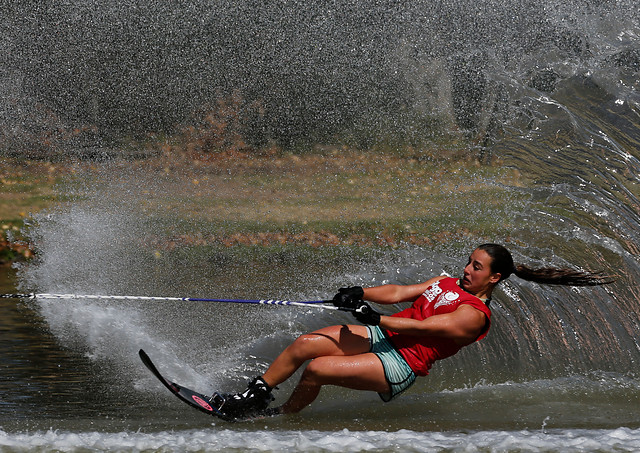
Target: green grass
x,y
377,199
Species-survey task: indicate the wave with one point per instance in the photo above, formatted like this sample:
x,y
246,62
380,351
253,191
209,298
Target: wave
x,y
217,440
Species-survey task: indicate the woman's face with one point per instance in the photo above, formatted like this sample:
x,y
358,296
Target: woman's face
x,y
478,279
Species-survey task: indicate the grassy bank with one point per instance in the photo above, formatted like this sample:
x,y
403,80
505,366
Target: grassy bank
x,y
317,199
26,187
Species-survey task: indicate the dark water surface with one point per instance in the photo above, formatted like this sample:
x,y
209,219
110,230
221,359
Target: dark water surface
x,y
87,389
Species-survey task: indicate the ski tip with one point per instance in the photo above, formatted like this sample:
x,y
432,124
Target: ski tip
x,y
143,356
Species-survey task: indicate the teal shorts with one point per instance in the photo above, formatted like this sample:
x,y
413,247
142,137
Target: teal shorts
x,y
397,371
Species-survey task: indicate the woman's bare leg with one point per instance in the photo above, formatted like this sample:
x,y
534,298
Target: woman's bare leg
x,y
339,356
329,341
334,341
360,372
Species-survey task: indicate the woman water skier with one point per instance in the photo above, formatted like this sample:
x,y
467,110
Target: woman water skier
x,y
387,353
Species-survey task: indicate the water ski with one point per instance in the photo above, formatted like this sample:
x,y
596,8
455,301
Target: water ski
x,y
208,404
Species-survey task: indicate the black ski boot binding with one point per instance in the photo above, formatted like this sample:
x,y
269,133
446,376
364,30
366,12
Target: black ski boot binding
x,y
253,401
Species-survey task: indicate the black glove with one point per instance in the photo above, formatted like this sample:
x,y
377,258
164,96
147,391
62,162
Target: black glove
x,y
349,298
367,315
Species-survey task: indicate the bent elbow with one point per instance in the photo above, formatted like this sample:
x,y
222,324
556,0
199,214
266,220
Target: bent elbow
x,y
466,337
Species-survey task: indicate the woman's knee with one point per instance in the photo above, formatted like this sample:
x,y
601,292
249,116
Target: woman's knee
x,y
314,372
304,347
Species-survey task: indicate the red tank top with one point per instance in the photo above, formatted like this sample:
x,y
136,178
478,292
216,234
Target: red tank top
x,y
443,296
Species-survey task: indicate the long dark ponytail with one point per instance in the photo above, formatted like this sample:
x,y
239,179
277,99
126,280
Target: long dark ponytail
x,y
502,262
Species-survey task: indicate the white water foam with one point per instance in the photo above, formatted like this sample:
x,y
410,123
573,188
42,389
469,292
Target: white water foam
x,y
620,440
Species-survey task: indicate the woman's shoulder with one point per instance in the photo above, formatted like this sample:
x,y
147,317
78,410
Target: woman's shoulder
x,y
447,280
438,278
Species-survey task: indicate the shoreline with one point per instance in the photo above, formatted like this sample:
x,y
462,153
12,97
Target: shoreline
x,y
327,198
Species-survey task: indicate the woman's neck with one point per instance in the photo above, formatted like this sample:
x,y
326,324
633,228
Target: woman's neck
x,y
484,295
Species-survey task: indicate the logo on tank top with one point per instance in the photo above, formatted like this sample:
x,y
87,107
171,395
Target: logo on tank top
x,y
447,298
433,291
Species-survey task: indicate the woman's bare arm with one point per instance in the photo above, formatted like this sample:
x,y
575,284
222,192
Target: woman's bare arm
x,y
463,325
393,294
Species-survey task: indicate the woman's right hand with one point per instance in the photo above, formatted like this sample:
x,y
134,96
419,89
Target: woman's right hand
x,y
349,298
